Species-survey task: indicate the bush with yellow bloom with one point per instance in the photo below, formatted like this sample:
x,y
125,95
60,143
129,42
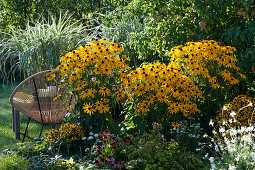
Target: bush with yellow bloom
x,y
93,72
154,84
67,132
161,93
214,68
207,61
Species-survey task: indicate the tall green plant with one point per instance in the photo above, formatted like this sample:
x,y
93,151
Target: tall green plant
x,y
166,24
40,45
122,30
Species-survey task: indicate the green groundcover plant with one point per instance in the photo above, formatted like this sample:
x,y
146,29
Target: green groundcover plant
x,y
12,160
141,151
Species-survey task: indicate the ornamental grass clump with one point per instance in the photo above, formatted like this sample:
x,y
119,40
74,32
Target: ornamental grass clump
x,y
207,61
241,107
94,73
39,46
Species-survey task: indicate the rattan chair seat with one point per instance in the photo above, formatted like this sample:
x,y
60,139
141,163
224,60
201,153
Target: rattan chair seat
x,y
36,98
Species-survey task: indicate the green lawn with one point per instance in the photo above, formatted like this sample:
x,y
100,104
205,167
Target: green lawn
x,y
7,136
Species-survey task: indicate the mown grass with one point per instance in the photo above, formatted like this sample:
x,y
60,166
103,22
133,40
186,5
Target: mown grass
x,y
7,136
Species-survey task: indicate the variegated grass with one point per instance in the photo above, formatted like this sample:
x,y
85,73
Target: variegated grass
x,y
40,45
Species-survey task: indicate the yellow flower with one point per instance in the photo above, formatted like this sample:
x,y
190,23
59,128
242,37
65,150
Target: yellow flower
x,y
175,125
70,161
104,91
104,109
98,105
88,108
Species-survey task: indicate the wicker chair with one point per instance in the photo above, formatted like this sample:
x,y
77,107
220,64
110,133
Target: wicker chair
x,y
36,98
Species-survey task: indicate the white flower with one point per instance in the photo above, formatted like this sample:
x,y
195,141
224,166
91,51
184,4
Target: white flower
x,y
250,104
230,120
90,133
233,114
246,139
83,138
211,123
221,130
250,128
231,149
213,166
243,129
223,122
58,156
233,132
237,158
231,167
214,132
225,108
91,137
68,114
211,159
205,135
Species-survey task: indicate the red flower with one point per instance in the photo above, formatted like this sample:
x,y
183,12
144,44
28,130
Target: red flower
x,y
106,132
113,140
127,141
105,138
98,161
99,147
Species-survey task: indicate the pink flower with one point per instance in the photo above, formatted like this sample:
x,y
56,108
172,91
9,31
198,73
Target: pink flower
x,y
99,147
202,24
253,69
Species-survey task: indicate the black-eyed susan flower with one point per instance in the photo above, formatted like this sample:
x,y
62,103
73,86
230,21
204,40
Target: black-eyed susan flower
x,y
88,108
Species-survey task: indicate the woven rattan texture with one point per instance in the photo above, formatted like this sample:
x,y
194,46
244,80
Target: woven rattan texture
x,y
37,94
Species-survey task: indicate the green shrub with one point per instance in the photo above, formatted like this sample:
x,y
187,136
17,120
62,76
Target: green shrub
x,y
157,26
146,151
16,13
12,161
153,152
40,45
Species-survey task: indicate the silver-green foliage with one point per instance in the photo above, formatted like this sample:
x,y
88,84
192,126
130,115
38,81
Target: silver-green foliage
x,y
40,45
124,29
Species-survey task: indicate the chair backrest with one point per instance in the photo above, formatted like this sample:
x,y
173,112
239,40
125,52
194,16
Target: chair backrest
x,y
36,97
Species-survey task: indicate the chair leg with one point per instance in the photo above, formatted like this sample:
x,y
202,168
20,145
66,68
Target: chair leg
x,y
41,131
13,120
26,129
16,119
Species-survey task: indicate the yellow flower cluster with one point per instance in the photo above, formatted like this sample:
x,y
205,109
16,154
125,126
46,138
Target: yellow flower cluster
x,y
68,132
243,107
208,59
161,83
94,72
